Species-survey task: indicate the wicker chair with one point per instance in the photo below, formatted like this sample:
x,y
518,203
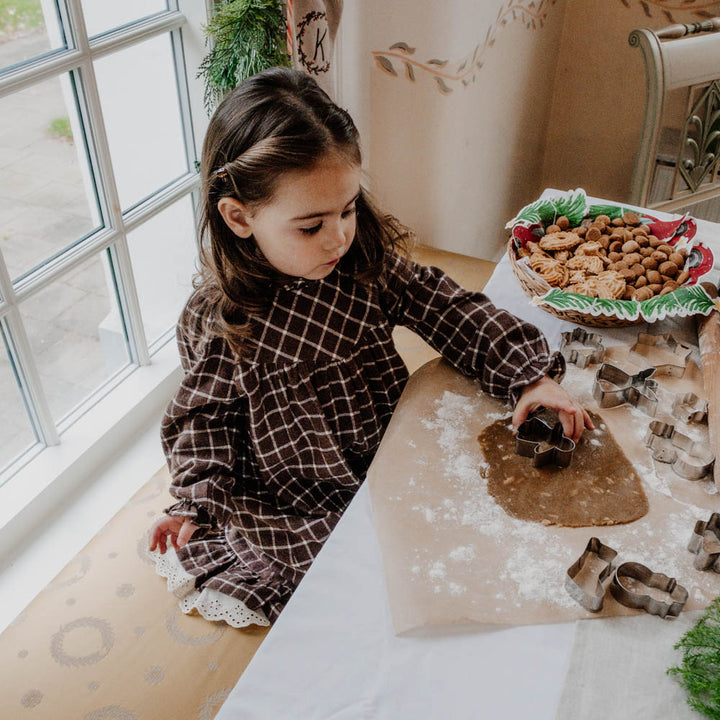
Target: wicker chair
x,y
678,163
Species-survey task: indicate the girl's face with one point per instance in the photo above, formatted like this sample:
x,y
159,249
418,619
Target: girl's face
x,y
308,225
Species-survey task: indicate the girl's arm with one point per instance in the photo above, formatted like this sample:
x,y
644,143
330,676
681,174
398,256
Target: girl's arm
x,y
508,356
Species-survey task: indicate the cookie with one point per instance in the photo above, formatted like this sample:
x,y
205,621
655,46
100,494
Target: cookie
x,y
561,240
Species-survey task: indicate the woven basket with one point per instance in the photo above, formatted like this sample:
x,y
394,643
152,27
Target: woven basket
x,y
533,286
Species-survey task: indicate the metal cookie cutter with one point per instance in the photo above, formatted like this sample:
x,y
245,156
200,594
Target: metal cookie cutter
x,y
591,352
632,580
689,408
613,387
589,576
705,543
544,442
669,344
688,458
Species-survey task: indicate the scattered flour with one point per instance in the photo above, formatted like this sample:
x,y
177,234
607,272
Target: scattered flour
x,y
535,570
463,553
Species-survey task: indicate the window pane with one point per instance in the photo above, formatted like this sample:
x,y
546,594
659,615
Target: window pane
x,y
28,28
138,92
15,428
76,334
163,254
104,15
47,200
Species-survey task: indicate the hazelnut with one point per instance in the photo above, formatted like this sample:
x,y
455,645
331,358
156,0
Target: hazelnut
x,y
637,270
668,268
632,258
640,281
643,293
667,249
677,258
655,287
654,277
659,255
593,234
669,287
552,229
654,242
617,222
630,246
562,222
649,263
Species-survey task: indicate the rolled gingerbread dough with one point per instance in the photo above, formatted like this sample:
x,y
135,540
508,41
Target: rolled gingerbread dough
x,y
600,487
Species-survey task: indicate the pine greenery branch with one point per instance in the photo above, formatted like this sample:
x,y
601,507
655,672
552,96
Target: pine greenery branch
x,y
247,36
699,671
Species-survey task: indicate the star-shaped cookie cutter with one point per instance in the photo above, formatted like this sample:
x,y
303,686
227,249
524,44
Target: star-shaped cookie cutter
x,y
689,408
591,351
705,543
614,387
689,459
667,343
544,442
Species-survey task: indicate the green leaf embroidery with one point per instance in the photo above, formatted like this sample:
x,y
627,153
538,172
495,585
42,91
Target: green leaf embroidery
x,y
684,301
545,211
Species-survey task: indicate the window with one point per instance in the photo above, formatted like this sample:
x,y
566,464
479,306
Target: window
x,y
97,201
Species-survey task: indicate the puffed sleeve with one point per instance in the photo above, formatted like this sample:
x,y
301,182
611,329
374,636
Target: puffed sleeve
x,y
202,426
504,353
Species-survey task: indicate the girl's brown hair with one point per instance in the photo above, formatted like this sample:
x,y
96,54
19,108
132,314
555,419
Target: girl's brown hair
x,y
274,122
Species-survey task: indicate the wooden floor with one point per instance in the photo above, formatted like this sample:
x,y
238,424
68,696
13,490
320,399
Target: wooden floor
x,y
471,273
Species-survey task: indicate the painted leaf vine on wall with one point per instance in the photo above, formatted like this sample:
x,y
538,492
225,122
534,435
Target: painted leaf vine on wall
x,y
399,58
696,8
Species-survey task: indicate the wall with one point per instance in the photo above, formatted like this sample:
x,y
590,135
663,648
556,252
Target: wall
x,y
454,160
558,102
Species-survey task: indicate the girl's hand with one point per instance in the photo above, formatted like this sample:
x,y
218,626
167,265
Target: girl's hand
x,y
178,529
547,393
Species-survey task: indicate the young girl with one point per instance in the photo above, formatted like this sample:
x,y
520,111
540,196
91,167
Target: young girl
x,y
291,374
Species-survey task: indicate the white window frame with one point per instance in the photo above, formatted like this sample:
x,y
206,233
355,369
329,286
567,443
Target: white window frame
x,y
98,426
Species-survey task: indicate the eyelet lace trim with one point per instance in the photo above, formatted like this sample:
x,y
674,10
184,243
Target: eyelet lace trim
x,y
211,604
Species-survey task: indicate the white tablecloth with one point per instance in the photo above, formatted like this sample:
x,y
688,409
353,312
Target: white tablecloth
x,y
332,653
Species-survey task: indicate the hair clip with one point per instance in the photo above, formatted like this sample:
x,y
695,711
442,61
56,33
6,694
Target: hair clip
x,y
221,173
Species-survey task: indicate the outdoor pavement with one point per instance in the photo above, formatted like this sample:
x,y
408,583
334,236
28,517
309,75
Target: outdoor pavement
x,y
43,209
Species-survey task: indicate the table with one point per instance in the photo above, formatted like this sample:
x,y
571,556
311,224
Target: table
x,y
332,653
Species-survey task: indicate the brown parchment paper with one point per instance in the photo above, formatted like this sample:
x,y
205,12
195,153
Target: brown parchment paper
x,y
451,555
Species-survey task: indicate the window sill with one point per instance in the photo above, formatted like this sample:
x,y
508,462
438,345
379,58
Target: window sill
x,y
51,481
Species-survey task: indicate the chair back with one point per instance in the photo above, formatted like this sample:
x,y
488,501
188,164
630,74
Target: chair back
x,y
678,162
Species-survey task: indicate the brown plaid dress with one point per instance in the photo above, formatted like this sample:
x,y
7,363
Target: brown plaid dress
x,y
267,451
